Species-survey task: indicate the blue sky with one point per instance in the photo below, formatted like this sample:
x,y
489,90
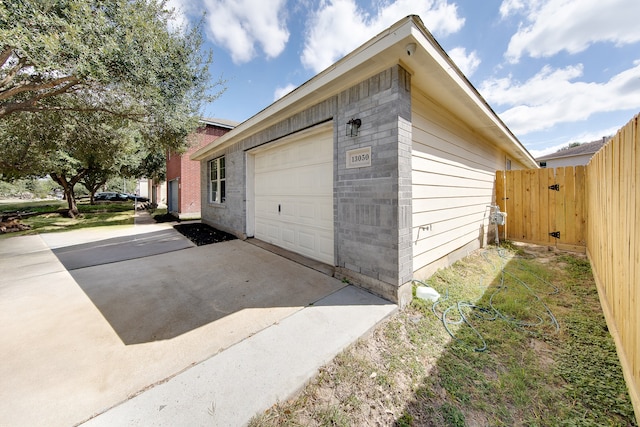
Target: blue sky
x,y
555,71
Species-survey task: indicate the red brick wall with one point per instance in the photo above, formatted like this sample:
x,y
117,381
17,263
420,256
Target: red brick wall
x,y
188,171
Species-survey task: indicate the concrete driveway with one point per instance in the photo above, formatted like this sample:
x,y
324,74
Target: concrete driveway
x,y
91,318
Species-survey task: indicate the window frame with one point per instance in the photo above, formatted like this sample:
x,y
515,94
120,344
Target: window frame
x,y
218,184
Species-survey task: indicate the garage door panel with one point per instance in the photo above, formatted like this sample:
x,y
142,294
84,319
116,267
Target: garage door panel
x,y
307,211
286,160
311,212
300,182
325,245
307,240
289,236
294,194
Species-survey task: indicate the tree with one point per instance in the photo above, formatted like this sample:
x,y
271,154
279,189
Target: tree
x,y
115,56
571,145
154,166
133,161
65,146
75,73
94,178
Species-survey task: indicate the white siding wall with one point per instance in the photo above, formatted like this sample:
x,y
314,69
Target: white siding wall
x,y
453,182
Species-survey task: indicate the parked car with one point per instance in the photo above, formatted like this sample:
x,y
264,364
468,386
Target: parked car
x,y
111,196
138,198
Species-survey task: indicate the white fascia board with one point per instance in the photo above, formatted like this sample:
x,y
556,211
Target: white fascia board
x,y
324,85
484,115
430,63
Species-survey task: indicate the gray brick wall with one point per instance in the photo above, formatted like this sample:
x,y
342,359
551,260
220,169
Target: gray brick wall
x,y
372,205
231,215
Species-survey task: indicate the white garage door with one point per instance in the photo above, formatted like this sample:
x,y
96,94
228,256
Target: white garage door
x,y
294,195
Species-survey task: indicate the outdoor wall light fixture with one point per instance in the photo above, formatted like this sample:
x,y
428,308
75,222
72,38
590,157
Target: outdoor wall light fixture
x,y
352,127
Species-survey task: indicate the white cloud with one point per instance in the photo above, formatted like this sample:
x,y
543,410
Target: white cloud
x,y
511,7
241,25
339,26
582,138
556,25
282,91
552,96
468,64
180,10
548,150
596,135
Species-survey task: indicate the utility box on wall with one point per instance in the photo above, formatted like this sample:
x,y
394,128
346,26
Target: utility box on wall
x,y
498,218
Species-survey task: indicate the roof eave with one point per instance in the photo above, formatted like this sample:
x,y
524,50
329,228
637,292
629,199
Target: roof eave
x,y
222,123
310,90
454,91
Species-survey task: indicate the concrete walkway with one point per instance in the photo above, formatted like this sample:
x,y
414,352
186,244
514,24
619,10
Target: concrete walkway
x,y
248,378
205,335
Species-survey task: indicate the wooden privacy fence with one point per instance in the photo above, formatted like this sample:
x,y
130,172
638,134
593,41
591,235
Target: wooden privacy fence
x,y
544,206
613,244
597,207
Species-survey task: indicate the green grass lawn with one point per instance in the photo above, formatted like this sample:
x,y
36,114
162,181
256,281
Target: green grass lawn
x,y
546,360
51,220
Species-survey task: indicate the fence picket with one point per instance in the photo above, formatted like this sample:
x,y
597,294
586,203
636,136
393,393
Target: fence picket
x,y
613,235
597,207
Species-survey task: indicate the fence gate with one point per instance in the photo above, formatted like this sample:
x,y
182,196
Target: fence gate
x,y
544,206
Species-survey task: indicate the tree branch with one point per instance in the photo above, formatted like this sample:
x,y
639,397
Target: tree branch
x,y
32,87
31,104
5,54
28,106
78,177
13,72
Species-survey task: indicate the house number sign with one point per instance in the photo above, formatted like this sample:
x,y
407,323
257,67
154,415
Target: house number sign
x,y
359,158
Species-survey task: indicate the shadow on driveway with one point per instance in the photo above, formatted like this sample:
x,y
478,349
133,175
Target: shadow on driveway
x,y
121,248
163,296
79,340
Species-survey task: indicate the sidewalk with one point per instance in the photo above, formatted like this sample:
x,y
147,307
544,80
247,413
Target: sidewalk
x,y
206,335
248,378
143,217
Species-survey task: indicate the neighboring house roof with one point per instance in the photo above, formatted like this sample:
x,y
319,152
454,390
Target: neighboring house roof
x,y
410,44
578,150
223,123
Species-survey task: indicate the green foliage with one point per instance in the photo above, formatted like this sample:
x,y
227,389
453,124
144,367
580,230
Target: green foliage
x,y
27,188
32,206
579,268
571,145
333,416
115,56
92,87
589,363
108,214
453,417
406,420
121,184
153,166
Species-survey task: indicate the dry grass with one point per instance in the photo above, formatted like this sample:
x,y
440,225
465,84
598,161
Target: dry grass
x,y
410,372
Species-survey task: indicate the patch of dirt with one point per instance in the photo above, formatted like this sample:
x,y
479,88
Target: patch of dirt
x,y
203,234
544,352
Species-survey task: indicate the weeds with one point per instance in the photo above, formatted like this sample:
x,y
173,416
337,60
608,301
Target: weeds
x,y
534,371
